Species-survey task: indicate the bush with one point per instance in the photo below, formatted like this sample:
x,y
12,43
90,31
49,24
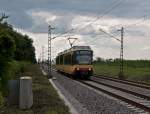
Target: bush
x,y
10,70
1,99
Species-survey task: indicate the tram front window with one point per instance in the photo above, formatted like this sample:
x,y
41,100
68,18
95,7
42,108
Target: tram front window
x,y
84,57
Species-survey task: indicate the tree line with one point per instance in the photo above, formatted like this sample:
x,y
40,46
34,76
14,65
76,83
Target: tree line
x,y
128,63
14,48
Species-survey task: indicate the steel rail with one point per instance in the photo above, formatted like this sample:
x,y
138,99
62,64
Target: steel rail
x,y
115,95
124,90
132,102
137,84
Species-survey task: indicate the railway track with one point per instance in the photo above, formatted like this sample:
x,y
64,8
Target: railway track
x,y
137,101
129,82
131,89
126,94
137,94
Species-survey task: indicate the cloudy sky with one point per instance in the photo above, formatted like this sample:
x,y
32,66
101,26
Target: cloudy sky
x,y
32,17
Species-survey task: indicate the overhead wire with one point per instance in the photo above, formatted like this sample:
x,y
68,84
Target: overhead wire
x,y
142,19
98,18
115,5
112,36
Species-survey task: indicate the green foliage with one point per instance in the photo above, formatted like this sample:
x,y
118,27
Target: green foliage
x,y
1,99
10,70
46,99
14,48
25,50
137,70
128,63
7,47
3,17
14,67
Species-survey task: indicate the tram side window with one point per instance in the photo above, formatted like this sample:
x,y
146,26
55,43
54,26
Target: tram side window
x,y
67,59
57,60
73,59
64,59
61,59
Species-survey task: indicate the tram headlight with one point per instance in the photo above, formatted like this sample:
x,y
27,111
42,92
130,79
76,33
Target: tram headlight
x,y
77,69
90,69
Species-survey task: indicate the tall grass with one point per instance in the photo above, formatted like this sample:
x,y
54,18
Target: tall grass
x,y
1,99
138,70
128,63
10,70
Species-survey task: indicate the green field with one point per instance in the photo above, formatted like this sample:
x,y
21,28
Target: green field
x,y
132,71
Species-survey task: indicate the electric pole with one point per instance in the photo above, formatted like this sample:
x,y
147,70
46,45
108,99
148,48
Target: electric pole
x,y
121,74
42,54
50,28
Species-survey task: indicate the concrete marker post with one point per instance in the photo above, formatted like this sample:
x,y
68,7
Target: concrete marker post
x,y
26,94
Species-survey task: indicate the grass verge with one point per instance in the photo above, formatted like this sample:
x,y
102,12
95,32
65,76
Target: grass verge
x,y
46,99
131,73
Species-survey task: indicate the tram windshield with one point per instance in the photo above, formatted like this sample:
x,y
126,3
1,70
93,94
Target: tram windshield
x,y
83,57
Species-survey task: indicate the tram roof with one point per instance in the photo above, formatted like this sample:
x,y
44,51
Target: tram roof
x,y
75,48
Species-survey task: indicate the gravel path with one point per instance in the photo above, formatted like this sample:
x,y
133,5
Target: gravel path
x,y
92,101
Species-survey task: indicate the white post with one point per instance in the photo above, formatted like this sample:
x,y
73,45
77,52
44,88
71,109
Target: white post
x,y
26,95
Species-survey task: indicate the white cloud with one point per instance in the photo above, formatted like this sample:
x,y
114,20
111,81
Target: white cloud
x,y
41,20
34,16
44,16
136,39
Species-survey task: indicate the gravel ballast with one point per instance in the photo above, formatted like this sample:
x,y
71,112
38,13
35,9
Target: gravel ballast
x,y
75,103
139,90
88,101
